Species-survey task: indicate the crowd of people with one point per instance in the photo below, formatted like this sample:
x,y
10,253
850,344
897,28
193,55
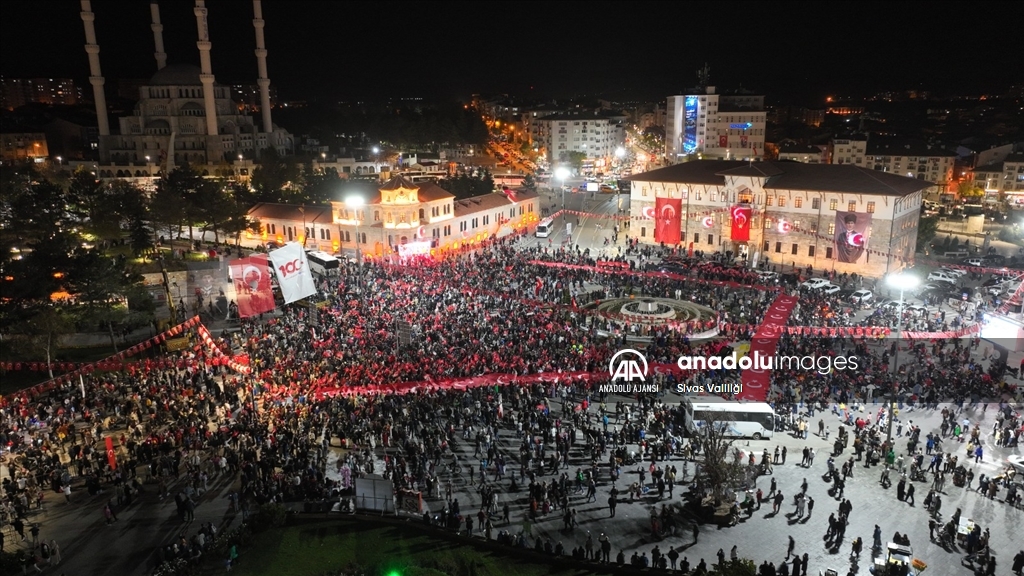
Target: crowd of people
x,y
189,431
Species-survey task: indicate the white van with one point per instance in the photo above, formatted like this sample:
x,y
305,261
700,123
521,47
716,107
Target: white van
x,y
545,227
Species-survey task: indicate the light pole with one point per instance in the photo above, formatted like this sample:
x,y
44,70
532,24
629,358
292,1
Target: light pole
x,y
562,174
149,167
355,203
903,281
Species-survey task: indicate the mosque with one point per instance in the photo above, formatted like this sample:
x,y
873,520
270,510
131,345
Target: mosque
x,y
183,115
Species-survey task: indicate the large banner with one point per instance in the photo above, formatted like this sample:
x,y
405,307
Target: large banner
x,y
293,273
757,381
851,236
740,214
253,292
669,214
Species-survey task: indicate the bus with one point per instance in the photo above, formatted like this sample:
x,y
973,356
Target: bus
x,y
739,419
545,227
323,263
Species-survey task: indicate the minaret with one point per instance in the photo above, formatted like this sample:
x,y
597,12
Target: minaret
x,y
261,60
158,35
95,74
207,72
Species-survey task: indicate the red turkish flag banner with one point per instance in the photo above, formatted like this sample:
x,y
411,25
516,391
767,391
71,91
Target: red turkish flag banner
x,y
741,216
723,141
669,218
111,455
253,292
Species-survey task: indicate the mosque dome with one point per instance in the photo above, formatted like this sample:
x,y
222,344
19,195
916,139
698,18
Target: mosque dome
x,y
177,75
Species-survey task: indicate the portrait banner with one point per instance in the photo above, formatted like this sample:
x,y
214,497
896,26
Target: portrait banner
x,y
851,236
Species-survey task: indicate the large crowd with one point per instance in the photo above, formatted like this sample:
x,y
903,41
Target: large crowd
x,y
178,431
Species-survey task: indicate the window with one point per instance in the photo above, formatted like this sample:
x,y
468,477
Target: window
x,y
831,228
778,247
714,196
487,220
798,203
828,252
643,232
765,245
769,201
767,223
698,196
711,239
871,207
696,238
794,249
833,204
816,203
810,251
376,215
782,201
852,206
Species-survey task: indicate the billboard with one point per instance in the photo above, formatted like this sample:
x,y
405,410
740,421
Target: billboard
x,y
253,292
851,235
668,225
690,106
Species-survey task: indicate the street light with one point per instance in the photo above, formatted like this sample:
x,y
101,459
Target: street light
x,y
354,202
562,173
620,152
902,281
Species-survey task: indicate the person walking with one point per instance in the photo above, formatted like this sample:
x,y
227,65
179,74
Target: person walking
x,y
696,533
611,505
792,546
54,553
910,494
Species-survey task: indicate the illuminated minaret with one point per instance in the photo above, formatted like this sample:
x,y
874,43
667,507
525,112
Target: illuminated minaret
x,y
261,61
207,70
158,36
95,74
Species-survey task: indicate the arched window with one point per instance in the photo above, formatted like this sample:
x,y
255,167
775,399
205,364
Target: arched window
x,y
422,214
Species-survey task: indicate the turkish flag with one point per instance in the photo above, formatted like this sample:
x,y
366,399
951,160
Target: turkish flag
x,y
111,455
723,141
253,293
669,215
741,216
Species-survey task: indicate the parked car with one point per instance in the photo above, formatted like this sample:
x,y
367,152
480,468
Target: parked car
x,y
979,262
943,277
815,284
953,272
862,296
830,288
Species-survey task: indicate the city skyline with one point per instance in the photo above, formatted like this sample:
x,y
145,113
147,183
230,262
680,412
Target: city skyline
x,y
356,51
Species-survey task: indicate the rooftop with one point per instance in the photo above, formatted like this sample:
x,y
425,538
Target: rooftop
x,y
905,148
177,75
311,214
999,166
788,176
488,202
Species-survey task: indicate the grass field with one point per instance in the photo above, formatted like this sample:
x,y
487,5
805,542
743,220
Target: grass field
x,y
384,551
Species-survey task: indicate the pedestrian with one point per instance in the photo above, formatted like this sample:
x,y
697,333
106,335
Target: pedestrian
x,y
783,454
792,546
734,554
696,533
611,505
54,553
910,494
67,493
810,506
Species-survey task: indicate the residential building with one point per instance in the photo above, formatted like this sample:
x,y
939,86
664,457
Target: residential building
x,y
17,92
806,153
1005,178
597,136
718,126
398,213
794,210
913,158
20,146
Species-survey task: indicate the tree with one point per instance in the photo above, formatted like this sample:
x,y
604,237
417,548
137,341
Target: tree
x,y
721,470
320,188
927,227
41,332
274,175
573,159
530,183
184,198
969,191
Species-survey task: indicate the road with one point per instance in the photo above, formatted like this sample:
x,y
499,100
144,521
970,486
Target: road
x,y
587,231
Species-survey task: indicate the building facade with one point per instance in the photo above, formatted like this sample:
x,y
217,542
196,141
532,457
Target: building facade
x,y
806,153
797,212
1002,178
911,158
21,146
715,126
394,214
17,92
596,136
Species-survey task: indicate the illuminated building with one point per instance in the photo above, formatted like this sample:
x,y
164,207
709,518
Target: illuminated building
x,y
716,126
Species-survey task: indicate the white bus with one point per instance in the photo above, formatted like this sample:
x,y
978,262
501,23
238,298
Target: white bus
x,y
323,263
545,228
739,419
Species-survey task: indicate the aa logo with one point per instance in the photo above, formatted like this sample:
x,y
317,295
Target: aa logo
x,y
625,366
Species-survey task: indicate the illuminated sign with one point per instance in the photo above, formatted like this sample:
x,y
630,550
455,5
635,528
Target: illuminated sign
x,y
414,249
690,125
743,126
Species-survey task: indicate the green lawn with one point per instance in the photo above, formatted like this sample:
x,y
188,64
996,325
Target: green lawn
x,y
313,550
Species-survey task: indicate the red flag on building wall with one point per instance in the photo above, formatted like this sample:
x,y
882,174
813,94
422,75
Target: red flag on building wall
x,y
740,222
111,455
668,226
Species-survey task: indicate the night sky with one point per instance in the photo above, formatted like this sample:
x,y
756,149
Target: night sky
x,y
373,50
